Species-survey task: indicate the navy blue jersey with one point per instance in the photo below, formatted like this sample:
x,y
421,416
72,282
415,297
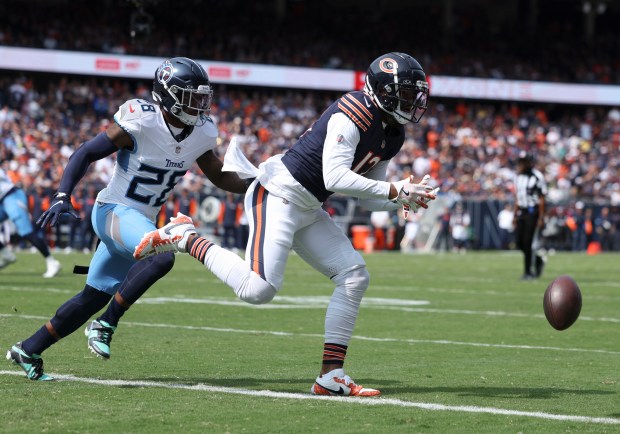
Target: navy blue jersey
x,y
305,159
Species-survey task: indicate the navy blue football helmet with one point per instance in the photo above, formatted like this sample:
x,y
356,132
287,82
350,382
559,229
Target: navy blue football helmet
x,y
397,83
182,87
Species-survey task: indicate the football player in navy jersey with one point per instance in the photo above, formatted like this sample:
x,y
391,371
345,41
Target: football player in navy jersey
x,y
347,151
155,144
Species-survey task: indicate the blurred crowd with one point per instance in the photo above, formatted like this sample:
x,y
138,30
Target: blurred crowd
x,y
480,42
468,148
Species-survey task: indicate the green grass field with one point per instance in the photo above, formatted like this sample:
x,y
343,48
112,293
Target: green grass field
x,y
456,343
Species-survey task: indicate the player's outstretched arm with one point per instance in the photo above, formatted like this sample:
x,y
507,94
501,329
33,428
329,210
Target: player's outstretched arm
x,y
211,166
94,149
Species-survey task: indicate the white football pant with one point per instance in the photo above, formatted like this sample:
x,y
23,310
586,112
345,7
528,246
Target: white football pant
x,y
276,227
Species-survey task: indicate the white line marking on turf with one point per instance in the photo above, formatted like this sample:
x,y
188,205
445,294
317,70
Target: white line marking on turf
x,y
315,302
302,302
31,289
359,401
362,338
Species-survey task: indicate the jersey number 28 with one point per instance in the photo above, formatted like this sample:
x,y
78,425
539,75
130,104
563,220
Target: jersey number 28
x,y
160,178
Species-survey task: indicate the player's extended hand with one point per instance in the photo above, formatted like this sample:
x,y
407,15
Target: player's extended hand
x,y
432,194
414,196
61,204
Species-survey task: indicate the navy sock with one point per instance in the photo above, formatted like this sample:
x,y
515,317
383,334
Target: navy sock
x,y
68,318
39,341
140,277
38,243
116,309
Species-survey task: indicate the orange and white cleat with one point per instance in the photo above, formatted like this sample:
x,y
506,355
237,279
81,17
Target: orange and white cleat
x,y
336,383
171,238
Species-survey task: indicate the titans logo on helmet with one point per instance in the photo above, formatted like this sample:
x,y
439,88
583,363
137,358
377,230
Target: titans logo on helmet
x,y
165,72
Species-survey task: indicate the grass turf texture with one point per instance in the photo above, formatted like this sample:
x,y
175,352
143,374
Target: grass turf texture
x,y
481,340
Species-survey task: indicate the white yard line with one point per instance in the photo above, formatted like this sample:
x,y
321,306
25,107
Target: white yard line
x,y
358,401
320,302
35,289
362,338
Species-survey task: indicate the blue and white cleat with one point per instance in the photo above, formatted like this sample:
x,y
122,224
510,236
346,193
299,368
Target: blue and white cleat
x,y
99,335
32,364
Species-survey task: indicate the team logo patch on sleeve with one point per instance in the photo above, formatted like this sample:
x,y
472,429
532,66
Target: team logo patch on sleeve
x,y
340,138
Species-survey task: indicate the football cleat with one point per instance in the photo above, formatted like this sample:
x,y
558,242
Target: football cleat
x,y
336,383
171,238
6,257
32,364
53,267
99,335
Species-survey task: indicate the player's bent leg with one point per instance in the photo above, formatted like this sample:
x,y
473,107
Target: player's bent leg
x,y
141,276
254,290
339,323
259,277
179,236
68,318
326,248
120,229
233,271
75,312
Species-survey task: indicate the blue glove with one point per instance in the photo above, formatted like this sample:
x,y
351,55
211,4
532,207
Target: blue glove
x,y
61,204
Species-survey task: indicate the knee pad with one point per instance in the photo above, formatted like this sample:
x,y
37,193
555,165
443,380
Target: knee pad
x,y
257,291
355,280
344,304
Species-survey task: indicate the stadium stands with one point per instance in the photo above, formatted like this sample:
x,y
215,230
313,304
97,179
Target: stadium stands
x,y
551,40
468,145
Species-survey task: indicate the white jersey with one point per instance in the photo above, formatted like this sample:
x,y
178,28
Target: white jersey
x,y
144,176
5,184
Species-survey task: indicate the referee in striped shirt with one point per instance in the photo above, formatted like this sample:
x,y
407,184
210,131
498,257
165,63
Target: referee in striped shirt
x,y
529,213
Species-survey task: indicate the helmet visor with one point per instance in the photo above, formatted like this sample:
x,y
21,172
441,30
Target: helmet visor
x,y
195,99
412,100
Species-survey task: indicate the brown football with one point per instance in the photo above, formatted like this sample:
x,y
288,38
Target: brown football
x,y
562,302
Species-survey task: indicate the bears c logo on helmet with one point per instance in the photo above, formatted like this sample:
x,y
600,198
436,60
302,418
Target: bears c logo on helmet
x,y
165,72
387,65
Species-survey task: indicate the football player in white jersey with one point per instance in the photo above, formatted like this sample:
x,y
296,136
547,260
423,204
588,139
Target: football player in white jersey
x,y
14,207
346,150
155,145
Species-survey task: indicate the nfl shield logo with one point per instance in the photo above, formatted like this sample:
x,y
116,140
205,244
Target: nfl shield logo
x,y
178,150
